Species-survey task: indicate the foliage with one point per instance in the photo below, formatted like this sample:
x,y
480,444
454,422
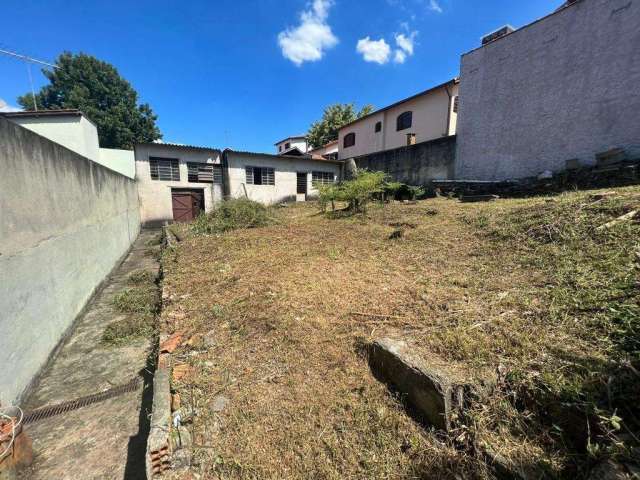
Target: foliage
x,y
232,214
335,116
402,191
357,192
96,88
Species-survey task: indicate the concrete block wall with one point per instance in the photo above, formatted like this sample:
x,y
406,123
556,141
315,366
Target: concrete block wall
x,y
65,222
417,164
565,87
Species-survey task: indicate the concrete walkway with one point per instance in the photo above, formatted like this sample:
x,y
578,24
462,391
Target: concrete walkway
x,y
104,440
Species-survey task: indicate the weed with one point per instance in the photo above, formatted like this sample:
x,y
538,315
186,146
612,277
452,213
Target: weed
x,y
139,277
143,300
231,215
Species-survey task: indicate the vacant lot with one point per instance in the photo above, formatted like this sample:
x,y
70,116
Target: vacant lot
x,y
278,317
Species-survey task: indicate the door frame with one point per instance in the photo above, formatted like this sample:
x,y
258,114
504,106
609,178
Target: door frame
x,y
196,199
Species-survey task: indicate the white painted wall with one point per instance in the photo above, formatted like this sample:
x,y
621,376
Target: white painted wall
x,y
65,221
326,150
298,143
286,169
79,135
155,195
433,118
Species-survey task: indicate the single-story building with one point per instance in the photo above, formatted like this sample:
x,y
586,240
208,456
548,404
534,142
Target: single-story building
x,y
273,179
177,182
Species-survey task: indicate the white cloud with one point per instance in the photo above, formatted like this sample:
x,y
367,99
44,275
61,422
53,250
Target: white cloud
x,y
406,46
309,41
6,108
435,6
377,51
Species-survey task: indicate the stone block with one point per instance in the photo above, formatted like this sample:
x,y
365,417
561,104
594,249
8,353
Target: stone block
x,y
435,391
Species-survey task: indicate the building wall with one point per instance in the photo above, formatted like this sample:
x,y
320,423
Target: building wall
x,y
78,134
65,221
326,150
286,169
433,118
121,161
416,164
156,205
297,143
565,87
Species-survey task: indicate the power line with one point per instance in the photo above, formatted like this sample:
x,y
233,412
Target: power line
x,y
28,61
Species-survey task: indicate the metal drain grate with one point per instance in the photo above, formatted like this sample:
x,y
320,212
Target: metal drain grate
x,y
53,410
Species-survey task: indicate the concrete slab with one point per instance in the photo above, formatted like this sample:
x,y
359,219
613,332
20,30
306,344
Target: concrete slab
x,y
106,440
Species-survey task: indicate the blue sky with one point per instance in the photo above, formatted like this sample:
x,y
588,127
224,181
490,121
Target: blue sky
x,y
246,74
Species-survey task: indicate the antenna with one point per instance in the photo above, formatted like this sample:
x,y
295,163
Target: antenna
x,y
28,61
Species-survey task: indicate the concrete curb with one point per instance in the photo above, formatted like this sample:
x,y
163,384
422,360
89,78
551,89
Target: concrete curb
x,y
159,446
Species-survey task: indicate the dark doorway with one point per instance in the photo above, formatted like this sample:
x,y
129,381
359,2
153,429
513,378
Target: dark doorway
x,y
187,204
302,183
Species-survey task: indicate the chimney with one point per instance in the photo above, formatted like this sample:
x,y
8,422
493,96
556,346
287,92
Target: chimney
x,y
411,139
501,32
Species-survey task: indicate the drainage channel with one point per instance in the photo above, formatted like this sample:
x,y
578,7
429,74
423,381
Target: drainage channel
x,y
54,410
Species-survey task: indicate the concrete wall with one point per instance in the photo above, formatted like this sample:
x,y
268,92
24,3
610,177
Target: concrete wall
x,y
64,224
286,169
156,205
565,87
433,118
326,150
416,164
121,161
79,135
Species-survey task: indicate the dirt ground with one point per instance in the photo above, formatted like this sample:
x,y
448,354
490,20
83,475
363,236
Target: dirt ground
x,y
278,318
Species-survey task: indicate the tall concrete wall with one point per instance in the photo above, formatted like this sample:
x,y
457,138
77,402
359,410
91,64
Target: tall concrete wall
x,y
65,221
565,87
416,164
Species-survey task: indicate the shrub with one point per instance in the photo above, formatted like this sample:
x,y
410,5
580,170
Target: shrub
x,y
402,191
357,192
232,214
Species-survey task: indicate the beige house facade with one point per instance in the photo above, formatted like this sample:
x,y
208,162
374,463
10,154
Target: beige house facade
x,y
429,115
177,182
290,144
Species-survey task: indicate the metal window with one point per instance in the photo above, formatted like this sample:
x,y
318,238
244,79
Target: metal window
x,y
349,140
204,173
378,127
164,169
322,178
260,176
404,121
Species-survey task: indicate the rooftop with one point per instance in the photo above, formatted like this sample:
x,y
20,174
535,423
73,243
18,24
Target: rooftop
x,y
178,146
63,112
295,137
305,156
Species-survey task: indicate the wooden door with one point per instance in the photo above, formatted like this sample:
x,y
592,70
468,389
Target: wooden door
x,y
187,204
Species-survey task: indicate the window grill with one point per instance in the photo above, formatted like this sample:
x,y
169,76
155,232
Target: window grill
x,y
404,121
349,140
164,169
204,173
260,176
322,178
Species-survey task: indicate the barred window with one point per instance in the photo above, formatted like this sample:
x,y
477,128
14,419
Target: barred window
x,y
260,176
322,178
204,173
165,169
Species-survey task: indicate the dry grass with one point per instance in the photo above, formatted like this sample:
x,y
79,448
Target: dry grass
x,y
277,306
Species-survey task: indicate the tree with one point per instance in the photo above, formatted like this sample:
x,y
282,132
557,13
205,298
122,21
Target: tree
x,y
335,116
97,89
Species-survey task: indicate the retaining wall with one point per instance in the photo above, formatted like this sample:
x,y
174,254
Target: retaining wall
x,y
417,164
65,222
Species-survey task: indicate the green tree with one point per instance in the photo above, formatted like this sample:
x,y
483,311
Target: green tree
x,y
97,89
335,116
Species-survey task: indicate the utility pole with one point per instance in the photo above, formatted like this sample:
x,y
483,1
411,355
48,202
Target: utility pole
x,y
28,61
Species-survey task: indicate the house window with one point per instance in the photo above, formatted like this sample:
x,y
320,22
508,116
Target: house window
x,y
280,148
349,140
204,173
456,104
378,127
260,176
404,121
287,146
322,178
165,169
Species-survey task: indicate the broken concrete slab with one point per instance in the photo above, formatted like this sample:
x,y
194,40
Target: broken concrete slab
x,y
436,392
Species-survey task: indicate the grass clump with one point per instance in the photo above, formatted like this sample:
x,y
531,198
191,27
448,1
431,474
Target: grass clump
x,y
141,304
231,215
142,276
